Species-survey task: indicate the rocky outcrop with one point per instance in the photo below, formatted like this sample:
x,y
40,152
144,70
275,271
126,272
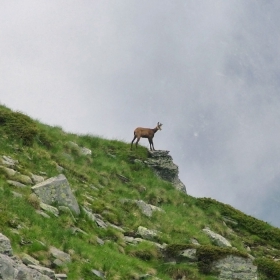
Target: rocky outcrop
x,y
12,267
162,164
57,190
234,267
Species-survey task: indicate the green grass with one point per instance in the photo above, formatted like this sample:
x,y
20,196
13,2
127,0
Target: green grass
x,y
97,183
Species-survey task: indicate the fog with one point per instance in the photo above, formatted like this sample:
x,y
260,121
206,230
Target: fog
x,y
207,69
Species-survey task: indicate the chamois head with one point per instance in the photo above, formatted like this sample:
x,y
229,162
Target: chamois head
x,y
146,133
159,125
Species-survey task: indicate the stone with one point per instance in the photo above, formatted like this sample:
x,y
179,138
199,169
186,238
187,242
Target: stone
x,y
58,254
49,208
43,270
98,273
60,276
8,161
42,213
57,190
162,164
189,254
234,267
37,179
147,209
8,171
26,259
5,246
16,184
82,150
24,179
216,238
145,233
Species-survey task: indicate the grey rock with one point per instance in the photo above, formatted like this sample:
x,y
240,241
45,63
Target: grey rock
x,y
8,161
26,259
24,179
82,150
216,238
43,270
8,171
164,167
189,254
60,276
58,254
98,273
49,208
145,233
5,246
16,184
234,267
57,190
42,213
37,179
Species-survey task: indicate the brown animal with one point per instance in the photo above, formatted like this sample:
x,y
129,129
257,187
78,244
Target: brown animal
x,y
146,133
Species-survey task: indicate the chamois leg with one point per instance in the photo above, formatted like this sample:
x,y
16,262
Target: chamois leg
x,y
132,142
136,144
151,144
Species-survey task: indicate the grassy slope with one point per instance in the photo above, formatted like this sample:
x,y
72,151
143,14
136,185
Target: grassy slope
x,y
40,148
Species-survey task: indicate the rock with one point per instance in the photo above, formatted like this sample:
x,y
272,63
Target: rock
x,y
5,246
8,171
234,267
37,179
163,166
98,273
24,179
43,270
26,259
8,161
217,239
145,233
60,276
189,254
16,184
58,254
147,209
57,190
42,213
82,150
49,208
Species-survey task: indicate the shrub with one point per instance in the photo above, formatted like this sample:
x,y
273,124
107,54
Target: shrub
x,y
268,268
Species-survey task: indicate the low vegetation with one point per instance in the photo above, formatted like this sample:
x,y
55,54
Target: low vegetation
x,y
100,182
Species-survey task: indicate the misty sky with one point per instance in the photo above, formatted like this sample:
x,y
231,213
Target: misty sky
x,y
209,70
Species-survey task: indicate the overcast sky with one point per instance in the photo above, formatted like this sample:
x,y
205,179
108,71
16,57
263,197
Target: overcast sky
x,y
209,70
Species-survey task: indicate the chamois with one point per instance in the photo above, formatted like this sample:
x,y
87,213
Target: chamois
x,y
146,133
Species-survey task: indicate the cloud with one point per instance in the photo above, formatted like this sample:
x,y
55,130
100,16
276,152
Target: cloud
x,y
208,70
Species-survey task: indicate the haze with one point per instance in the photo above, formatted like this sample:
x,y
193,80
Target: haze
x,y
207,69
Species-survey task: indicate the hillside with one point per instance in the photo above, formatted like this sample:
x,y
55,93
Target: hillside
x,y
83,207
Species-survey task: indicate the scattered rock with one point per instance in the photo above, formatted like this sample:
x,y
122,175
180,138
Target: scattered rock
x,y
57,190
8,171
98,273
43,270
37,179
8,161
60,255
234,267
148,234
5,246
26,259
217,239
24,179
189,254
49,208
16,184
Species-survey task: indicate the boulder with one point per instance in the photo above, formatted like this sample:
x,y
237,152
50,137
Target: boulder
x,y
162,164
57,190
145,233
5,246
217,239
234,267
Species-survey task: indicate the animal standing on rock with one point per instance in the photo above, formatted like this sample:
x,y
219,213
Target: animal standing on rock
x,y
146,133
